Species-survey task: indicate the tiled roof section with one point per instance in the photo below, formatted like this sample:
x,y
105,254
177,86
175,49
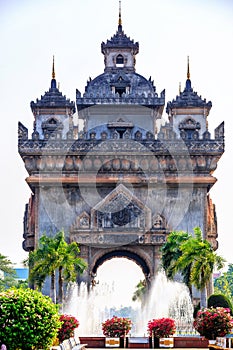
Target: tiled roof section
x,y
99,91
101,85
53,99
120,40
188,98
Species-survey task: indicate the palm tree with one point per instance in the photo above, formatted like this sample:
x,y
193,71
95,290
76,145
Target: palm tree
x,y
43,262
200,256
53,254
171,252
9,273
70,264
140,292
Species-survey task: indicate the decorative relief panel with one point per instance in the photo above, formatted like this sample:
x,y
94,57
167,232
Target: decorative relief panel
x,y
121,208
211,223
158,222
82,222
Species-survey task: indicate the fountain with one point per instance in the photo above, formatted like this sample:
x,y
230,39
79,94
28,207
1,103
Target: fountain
x,y
167,299
90,309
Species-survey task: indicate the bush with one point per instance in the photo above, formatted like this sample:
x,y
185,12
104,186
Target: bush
x,y
219,300
28,319
116,326
68,325
161,327
213,322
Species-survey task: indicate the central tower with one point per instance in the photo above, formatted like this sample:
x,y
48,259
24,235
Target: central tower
x,y
121,184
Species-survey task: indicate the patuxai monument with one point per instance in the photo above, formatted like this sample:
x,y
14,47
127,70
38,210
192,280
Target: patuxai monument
x,y
120,168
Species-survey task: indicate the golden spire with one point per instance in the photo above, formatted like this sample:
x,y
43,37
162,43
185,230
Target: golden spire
x,y
119,20
179,87
53,70
188,72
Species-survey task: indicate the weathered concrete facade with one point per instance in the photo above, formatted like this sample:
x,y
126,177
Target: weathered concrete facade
x,y
120,185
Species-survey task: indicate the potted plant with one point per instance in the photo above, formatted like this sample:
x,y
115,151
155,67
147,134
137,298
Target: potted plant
x,y
116,327
68,325
213,322
160,328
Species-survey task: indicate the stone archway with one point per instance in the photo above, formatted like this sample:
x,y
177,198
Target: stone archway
x,y
123,253
96,256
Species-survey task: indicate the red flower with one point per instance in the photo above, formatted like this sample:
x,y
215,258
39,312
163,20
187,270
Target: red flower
x,y
116,326
213,322
69,323
161,327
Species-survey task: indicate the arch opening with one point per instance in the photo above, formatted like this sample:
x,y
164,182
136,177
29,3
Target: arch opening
x,y
122,254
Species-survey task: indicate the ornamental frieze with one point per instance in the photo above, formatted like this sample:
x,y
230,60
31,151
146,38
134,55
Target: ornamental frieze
x,y
117,239
127,146
98,165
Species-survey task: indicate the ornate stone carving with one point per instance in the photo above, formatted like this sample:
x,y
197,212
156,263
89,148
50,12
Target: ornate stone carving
x,y
219,132
29,225
120,208
159,222
31,147
113,149
82,222
22,132
211,223
189,129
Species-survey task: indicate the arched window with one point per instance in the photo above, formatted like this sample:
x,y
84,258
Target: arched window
x,y
120,61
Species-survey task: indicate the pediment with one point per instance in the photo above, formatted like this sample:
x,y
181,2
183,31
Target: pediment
x,y
121,208
120,78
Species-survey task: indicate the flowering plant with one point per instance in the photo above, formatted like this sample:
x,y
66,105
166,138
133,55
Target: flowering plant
x,y
116,326
69,323
213,322
161,327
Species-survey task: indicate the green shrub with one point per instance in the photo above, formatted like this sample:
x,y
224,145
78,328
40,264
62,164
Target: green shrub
x,y
28,319
219,300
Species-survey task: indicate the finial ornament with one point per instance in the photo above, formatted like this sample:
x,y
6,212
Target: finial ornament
x,y
179,87
119,21
188,72
53,70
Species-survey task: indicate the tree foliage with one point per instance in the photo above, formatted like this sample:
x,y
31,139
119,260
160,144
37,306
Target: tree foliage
x,y
8,278
140,292
193,257
55,254
28,319
171,252
224,283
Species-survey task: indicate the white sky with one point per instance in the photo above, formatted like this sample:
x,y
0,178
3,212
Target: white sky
x,y
31,32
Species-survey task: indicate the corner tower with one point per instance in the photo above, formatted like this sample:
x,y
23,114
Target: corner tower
x,y
188,113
